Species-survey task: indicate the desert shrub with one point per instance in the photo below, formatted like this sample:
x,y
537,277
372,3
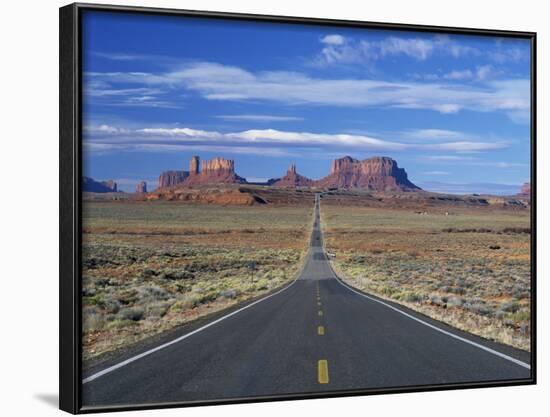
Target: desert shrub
x,y
517,230
523,315
110,305
435,299
478,308
175,275
90,300
154,292
208,296
118,324
131,313
520,292
500,315
359,259
187,302
454,301
510,307
158,309
148,273
233,293
92,319
411,297
128,296
88,292
262,284
458,290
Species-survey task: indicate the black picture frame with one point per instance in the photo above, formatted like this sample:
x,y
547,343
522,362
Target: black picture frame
x,y
70,203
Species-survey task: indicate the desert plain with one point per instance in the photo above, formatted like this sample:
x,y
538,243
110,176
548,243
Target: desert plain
x,y
151,266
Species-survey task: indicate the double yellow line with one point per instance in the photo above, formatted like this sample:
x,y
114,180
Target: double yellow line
x,y
322,365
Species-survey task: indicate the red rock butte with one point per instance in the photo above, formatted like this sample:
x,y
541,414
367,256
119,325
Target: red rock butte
x,y
377,174
172,178
525,190
93,186
141,187
214,171
293,179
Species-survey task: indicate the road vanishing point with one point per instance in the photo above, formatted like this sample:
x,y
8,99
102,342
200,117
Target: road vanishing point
x,y
316,335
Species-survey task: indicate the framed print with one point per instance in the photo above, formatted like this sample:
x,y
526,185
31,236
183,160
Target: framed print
x,y
257,208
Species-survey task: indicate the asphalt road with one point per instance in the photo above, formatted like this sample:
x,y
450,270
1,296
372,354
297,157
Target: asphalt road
x,y
315,335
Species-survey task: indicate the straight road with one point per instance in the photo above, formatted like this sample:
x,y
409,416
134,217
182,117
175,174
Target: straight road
x,y
316,335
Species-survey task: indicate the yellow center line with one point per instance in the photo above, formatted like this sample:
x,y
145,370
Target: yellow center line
x,y
319,304
321,330
322,370
320,312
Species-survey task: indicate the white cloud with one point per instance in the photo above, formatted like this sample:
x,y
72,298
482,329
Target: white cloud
x,y
459,75
504,165
118,56
105,129
466,146
178,132
503,55
257,179
480,73
433,134
259,118
450,158
419,49
338,49
106,92
228,83
172,138
471,161
436,173
102,89
333,40
484,71
479,188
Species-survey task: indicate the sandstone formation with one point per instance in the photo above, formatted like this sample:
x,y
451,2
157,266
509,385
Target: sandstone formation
x,y
92,186
214,171
194,165
141,187
171,178
293,179
376,174
525,190
226,197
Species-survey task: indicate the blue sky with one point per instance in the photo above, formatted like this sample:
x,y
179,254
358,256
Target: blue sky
x,y
452,110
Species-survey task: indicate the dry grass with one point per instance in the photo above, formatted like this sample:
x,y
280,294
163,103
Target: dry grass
x,y
151,266
469,268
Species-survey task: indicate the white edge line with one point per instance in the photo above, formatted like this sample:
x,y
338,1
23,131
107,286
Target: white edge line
x,y
179,339
462,339
185,336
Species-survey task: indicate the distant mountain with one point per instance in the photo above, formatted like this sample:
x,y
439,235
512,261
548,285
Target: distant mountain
x,y
473,188
171,178
376,174
92,186
141,187
525,190
293,179
214,171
